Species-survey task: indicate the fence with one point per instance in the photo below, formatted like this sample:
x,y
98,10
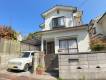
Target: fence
x,y
12,48
83,66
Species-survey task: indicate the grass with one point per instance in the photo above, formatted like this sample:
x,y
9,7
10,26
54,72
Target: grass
x,y
59,79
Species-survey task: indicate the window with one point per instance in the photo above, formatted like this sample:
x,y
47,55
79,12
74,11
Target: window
x,y
68,46
25,54
94,30
58,22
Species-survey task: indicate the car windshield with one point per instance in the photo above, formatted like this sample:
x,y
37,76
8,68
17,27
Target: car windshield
x,y
25,54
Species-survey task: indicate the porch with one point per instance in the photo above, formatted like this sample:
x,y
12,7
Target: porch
x,y
50,59
54,46
58,45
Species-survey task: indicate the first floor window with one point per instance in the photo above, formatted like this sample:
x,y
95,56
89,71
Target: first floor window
x,y
68,46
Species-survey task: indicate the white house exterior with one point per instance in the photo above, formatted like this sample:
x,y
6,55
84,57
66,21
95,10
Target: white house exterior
x,y
65,42
97,29
63,31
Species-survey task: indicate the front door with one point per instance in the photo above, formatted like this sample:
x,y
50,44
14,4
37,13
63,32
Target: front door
x,y
51,59
50,48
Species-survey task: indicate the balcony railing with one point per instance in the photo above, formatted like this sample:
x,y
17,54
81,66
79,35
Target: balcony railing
x,y
57,27
68,51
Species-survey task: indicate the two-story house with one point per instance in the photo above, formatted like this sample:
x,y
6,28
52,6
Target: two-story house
x,y
63,31
97,28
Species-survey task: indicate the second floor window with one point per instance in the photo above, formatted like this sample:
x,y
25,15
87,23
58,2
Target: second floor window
x,y
58,22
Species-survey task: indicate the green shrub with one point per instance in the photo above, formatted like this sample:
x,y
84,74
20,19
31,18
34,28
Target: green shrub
x,y
39,66
59,79
97,47
83,78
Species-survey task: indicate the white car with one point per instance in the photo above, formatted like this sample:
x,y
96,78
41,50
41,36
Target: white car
x,y
23,62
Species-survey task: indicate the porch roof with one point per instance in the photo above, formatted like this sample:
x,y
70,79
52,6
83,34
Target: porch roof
x,y
80,27
33,42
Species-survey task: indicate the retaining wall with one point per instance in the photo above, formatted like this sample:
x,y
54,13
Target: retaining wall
x,y
87,66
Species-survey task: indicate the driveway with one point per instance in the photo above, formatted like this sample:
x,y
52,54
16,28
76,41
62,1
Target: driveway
x,y
11,77
20,75
15,75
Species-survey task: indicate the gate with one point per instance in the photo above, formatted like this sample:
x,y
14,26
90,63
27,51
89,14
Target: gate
x,y
51,62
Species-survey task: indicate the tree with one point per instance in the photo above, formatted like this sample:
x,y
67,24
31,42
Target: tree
x,y
34,35
7,32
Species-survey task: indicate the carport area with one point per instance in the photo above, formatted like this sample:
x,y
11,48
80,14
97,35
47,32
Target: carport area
x,y
21,75
29,75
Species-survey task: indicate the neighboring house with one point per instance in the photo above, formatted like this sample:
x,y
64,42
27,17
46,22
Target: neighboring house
x,y
63,32
97,28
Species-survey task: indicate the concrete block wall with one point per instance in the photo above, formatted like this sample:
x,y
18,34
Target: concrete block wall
x,y
36,61
5,58
90,66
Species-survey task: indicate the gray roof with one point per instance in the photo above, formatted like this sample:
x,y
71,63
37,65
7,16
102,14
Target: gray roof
x,y
33,42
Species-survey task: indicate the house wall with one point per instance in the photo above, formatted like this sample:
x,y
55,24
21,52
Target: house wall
x,y
69,21
100,27
88,63
81,35
104,26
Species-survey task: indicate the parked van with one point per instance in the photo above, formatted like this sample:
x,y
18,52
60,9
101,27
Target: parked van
x,y
23,62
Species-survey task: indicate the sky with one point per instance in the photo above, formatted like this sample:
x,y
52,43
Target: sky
x,y
25,15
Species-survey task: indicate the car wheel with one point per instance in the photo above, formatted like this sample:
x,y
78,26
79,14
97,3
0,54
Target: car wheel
x,y
9,70
26,67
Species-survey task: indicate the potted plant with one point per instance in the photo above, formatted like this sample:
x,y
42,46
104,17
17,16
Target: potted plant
x,y
39,69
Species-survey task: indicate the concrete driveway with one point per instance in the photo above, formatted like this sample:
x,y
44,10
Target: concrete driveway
x,y
20,75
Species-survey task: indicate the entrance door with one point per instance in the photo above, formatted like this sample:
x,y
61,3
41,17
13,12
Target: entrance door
x,y
51,59
50,48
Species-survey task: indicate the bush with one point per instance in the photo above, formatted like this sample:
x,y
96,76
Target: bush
x,y
39,66
97,47
59,79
